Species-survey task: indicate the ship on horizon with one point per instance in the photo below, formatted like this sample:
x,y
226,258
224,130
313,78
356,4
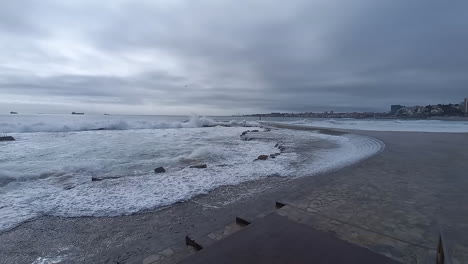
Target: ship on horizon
x,y
13,113
77,113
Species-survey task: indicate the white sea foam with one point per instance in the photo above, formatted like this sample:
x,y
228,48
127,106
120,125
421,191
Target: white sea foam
x,y
69,123
388,125
50,173
51,260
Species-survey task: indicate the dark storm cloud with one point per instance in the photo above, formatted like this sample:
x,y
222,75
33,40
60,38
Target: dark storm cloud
x,y
229,57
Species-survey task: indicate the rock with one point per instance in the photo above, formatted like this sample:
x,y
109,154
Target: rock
x,y
7,138
199,166
105,178
244,133
272,156
276,145
254,131
159,170
262,157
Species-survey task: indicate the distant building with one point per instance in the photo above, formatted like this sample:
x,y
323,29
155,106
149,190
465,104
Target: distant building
x,y
465,108
395,108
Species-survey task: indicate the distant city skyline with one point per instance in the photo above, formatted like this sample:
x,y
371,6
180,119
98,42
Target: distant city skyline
x,y
225,57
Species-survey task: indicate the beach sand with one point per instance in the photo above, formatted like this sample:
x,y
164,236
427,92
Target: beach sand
x,y
416,186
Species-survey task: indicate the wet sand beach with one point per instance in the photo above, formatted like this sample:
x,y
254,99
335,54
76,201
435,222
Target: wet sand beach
x,y
394,203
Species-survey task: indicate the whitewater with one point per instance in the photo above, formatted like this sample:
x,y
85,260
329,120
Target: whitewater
x,y
49,169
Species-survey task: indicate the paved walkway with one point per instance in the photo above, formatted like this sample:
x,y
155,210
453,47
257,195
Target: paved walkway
x,y
277,240
403,197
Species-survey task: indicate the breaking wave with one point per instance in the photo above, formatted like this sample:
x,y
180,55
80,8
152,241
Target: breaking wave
x,y
64,125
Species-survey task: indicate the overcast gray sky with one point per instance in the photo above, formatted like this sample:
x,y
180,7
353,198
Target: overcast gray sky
x,y
227,57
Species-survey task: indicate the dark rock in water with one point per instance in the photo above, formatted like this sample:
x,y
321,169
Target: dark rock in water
x,y
159,170
277,154
7,138
276,145
69,187
272,156
104,178
244,133
254,131
262,157
199,166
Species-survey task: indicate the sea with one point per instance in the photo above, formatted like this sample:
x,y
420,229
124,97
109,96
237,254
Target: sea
x,y
50,167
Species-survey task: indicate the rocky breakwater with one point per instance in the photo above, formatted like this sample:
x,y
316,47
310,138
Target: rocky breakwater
x,y
250,135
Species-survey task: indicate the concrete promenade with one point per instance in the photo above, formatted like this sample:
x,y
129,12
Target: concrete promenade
x,y
274,239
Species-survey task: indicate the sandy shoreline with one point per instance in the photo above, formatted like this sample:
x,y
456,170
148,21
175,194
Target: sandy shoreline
x,y
419,174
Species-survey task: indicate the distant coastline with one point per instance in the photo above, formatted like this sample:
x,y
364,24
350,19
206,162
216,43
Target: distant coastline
x,y
442,118
437,112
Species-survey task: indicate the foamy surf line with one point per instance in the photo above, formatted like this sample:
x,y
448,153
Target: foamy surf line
x,y
352,148
69,192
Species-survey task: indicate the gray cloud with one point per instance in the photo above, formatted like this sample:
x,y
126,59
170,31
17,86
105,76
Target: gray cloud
x,y
224,57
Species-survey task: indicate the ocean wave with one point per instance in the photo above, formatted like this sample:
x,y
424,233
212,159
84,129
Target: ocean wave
x,y
115,124
7,177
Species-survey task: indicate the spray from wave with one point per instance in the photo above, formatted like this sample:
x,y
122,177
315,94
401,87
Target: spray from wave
x,y
62,125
